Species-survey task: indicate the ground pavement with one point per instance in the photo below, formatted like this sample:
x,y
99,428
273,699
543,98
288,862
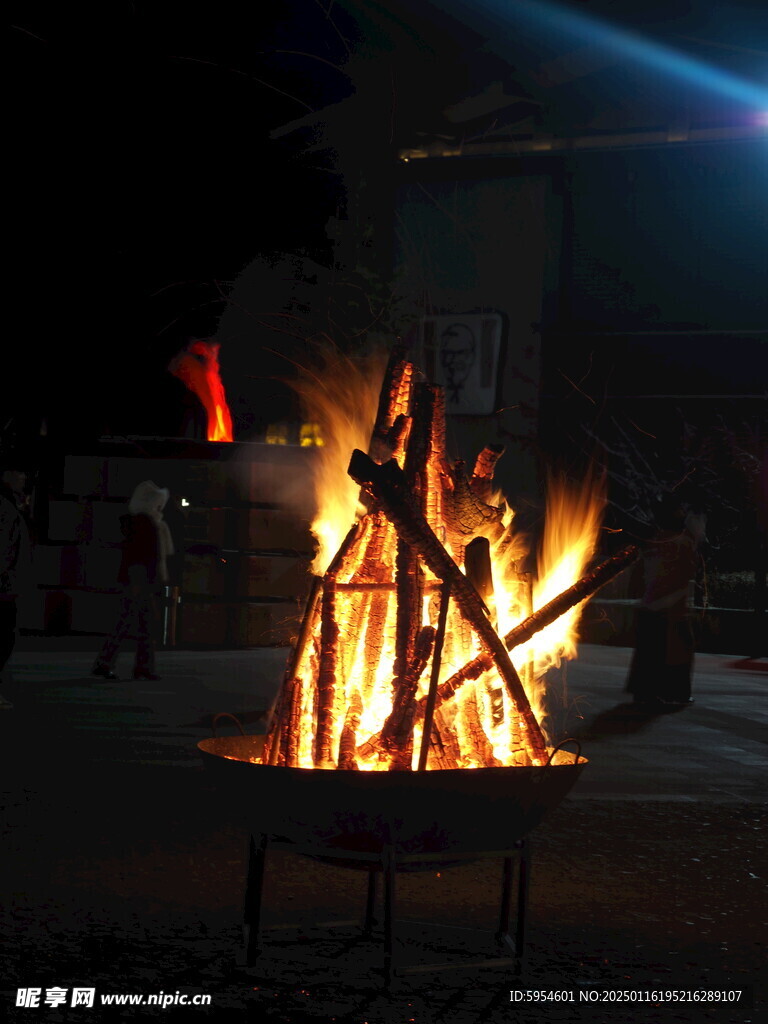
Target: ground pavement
x,y
123,870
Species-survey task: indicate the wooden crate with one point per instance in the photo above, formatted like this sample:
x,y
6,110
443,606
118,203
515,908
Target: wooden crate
x,y
272,576
203,574
272,529
123,475
203,482
266,625
102,564
58,565
105,518
46,611
202,622
275,475
93,612
68,521
207,526
84,475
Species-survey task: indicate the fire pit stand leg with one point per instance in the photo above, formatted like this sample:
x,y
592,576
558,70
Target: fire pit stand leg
x,y
523,879
516,945
390,870
257,855
370,905
506,900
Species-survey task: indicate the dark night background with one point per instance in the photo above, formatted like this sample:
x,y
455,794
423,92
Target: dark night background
x,y
143,179
141,175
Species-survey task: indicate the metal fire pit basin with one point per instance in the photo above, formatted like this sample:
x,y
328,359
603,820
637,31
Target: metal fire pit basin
x,y
458,811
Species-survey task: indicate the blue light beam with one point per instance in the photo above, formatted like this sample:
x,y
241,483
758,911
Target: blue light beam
x,y
587,29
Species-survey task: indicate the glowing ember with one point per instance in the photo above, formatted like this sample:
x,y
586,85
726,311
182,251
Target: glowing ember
x,y
355,691
198,368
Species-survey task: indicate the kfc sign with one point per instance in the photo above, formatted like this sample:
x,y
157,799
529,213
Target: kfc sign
x,y
462,353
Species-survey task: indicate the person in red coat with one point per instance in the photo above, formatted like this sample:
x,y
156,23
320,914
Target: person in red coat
x,y
147,545
662,662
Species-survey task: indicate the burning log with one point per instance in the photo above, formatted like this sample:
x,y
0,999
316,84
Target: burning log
x,y
474,726
445,750
347,752
326,677
437,471
477,566
329,637
387,485
408,576
481,481
442,620
289,739
397,733
394,402
294,665
278,723
580,591
465,513
393,727
375,609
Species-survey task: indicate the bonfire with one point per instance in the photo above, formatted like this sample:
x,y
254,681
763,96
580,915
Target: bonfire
x,y
424,645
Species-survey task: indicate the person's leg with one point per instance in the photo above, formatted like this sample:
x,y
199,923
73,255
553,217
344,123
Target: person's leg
x,y
677,688
647,658
146,623
105,661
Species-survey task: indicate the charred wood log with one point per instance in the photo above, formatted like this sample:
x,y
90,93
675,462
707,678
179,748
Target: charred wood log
x,y
439,480
326,676
429,711
474,726
394,401
400,720
289,746
408,575
408,620
306,632
481,481
347,742
580,591
387,485
278,724
329,639
477,566
398,726
445,752
465,513
306,629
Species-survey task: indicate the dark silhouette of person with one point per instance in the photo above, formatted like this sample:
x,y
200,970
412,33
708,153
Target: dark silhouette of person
x,y
662,663
147,546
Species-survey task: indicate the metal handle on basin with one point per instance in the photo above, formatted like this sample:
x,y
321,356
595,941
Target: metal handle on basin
x,y
577,755
226,714
541,772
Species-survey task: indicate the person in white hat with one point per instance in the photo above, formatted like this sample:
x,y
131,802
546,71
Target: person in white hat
x,y
147,545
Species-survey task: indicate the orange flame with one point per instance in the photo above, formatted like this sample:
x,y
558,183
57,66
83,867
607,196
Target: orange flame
x,y
341,399
198,368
